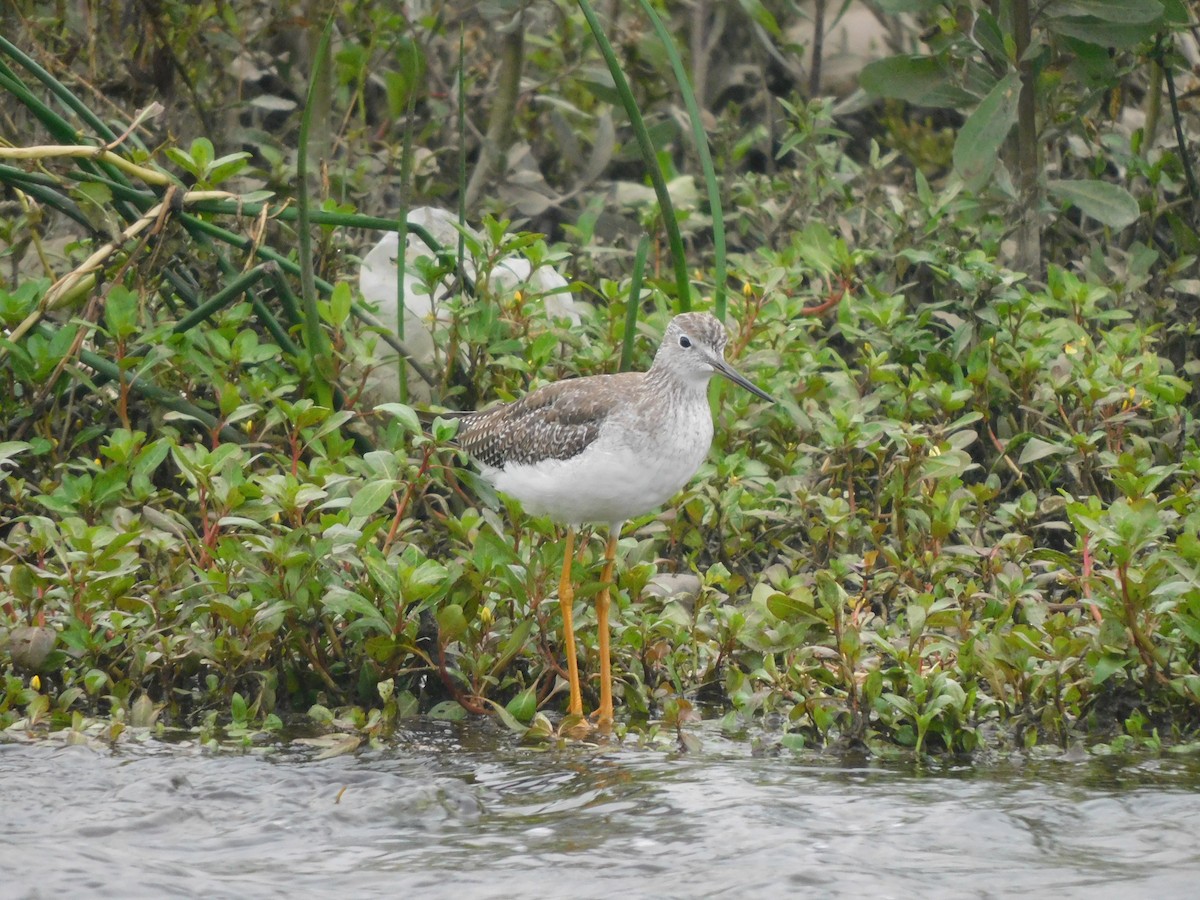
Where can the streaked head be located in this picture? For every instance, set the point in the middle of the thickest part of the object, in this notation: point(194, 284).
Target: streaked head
point(693, 350)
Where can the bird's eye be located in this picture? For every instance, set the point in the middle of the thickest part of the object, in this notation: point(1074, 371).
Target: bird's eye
point(685, 341)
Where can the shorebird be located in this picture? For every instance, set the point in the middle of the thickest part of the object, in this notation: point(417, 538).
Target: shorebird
point(602, 449)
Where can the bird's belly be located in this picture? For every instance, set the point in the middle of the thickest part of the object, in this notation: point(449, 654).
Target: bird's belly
point(608, 482)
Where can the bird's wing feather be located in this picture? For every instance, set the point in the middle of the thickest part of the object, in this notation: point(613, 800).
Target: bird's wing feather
point(557, 421)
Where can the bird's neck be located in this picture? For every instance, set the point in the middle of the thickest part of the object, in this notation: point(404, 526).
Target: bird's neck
point(663, 379)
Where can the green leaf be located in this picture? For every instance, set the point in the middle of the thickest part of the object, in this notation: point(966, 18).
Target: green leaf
point(121, 312)
point(406, 415)
point(1118, 35)
point(1175, 12)
point(95, 681)
point(451, 622)
point(901, 704)
point(151, 457)
point(229, 398)
point(227, 166)
point(182, 159)
point(334, 422)
point(989, 35)
point(408, 77)
point(339, 304)
point(371, 496)
point(1109, 204)
point(9, 449)
point(1106, 666)
point(760, 14)
point(1111, 11)
point(142, 712)
point(202, 153)
point(947, 464)
point(979, 140)
point(793, 741)
point(788, 608)
point(1037, 449)
point(448, 711)
point(523, 706)
point(917, 79)
point(237, 708)
point(509, 650)
point(444, 430)
point(482, 490)
point(907, 6)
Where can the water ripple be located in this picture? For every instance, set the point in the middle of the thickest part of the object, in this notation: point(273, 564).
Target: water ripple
point(464, 812)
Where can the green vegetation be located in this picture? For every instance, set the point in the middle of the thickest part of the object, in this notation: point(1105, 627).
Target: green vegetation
point(973, 520)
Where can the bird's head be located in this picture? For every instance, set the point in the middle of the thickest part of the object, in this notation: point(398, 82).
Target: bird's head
point(693, 350)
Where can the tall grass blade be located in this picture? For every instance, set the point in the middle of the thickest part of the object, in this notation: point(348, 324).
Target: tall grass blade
point(649, 157)
point(706, 163)
point(633, 304)
point(321, 365)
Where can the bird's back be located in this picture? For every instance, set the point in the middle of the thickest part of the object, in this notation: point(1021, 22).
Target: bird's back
point(557, 421)
point(588, 449)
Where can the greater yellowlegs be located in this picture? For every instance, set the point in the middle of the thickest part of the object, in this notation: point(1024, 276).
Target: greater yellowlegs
point(603, 449)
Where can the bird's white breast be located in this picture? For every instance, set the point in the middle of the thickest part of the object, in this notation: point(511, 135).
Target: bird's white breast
point(633, 467)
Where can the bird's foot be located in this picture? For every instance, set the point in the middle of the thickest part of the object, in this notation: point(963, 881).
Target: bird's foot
point(575, 727)
point(581, 728)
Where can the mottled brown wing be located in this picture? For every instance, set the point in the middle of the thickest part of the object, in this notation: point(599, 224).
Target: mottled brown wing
point(557, 421)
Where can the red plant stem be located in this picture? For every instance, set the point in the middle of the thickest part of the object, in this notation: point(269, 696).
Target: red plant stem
point(830, 302)
point(402, 507)
point(465, 701)
point(1087, 579)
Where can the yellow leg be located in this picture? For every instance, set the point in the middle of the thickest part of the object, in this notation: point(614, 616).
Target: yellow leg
point(602, 603)
point(566, 602)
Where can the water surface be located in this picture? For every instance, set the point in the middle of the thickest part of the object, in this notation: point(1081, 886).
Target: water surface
point(464, 811)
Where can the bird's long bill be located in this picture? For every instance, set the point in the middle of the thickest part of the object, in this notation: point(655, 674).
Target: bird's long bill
point(740, 380)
